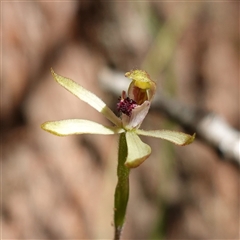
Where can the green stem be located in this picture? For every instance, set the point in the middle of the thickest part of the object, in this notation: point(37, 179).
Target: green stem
point(122, 188)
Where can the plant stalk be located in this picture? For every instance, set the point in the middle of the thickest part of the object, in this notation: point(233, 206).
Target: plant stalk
point(122, 188)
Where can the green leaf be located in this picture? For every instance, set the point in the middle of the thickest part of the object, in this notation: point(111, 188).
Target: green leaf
point(78, 126)
point(178, 138)
point(87, 97)
point(138, 151)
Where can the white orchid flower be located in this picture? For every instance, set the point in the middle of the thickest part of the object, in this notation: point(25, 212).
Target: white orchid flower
point(132, 109)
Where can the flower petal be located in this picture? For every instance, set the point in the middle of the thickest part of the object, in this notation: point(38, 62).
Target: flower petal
point(178, 138)
point(78, 126)
point(87, 97)
point(142, 88)
point(138, 151)
point(137, 116)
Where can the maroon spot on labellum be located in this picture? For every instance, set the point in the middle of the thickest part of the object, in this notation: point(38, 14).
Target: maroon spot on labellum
point(126, 105)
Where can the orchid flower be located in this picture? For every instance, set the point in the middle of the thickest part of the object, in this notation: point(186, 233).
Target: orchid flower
point(133, 107)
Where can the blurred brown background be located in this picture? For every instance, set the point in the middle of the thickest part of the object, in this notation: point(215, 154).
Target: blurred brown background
point(58, 188)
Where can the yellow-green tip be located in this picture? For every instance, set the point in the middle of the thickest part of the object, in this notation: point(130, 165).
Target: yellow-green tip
point(141, 79)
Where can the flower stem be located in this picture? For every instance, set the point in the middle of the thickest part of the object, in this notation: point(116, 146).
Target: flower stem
point(122, 188)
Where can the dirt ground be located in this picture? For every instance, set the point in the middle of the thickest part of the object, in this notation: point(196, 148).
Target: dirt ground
point(63, 187)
